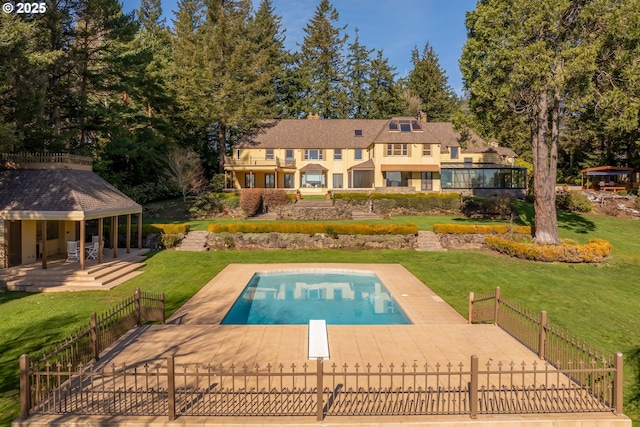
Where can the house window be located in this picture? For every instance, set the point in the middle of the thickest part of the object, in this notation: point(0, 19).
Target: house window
point(397, 150)
point(337, 180)
point(454, 152)
point(237, 154)
point(358, 132)
point(269, 180)
point(426, 150)
point(397, 179)
point(288, 180)
point(268, 154)
point(288, 156)
point(313, 179)
point(426, 180)
point(313, 154)
point(337, 154)
point(53, 230)
point(249, 180)
point(357, 154)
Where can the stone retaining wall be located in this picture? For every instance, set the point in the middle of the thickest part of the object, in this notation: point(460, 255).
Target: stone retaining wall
point(292, 211)
point(272, 241)
point(462, 241)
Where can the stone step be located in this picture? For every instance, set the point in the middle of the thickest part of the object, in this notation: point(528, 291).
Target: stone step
point(365, 215)
point(194, 241)
point(428, 241)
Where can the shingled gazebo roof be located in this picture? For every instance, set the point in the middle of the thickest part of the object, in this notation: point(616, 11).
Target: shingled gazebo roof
point(60, 194)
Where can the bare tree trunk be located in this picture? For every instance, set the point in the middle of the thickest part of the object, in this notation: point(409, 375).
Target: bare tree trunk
point(545, 160)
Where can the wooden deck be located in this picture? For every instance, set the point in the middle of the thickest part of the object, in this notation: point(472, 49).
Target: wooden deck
point(62, 276)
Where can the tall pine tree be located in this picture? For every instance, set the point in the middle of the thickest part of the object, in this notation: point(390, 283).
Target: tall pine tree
point(321, 67)
point(428, 81)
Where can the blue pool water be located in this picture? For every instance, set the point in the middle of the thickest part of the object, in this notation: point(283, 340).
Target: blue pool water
point(295, 298)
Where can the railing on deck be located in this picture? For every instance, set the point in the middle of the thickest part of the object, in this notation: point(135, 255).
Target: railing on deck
point(102, 331)
point(553, 345)
point(164, 389)
point(21, 158)
point(572, 377)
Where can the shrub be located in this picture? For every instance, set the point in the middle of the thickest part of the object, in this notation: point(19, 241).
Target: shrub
point(594, 251)
point(211, 203)
point(272, 198)
point(573, 201)
point(165, 229)
point(306, 228)
point(481, 229)
point(169, 240)
point(351, 196)
point(150, 191)
point(251, 200)
point(487, 207)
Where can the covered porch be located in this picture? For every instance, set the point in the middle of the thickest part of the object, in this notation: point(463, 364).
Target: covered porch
point(59, 208)
point(610, 178)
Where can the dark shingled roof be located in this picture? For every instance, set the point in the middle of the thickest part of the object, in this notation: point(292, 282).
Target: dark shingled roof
point(61, 190)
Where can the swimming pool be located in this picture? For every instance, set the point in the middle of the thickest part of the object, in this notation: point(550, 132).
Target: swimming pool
point(294, 298)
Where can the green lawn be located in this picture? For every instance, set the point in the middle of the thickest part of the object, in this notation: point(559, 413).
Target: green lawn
point(599, 303)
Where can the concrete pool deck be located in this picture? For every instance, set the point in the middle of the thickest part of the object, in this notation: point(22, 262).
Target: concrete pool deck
point(438, 334)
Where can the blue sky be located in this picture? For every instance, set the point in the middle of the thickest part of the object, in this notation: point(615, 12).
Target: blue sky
point(393, 26)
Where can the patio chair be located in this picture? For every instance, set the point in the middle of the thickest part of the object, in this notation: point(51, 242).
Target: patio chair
point(92, 251)
point(73, 251)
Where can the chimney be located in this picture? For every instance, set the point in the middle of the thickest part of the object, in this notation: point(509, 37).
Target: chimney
point(312, 116)
point(422, 117)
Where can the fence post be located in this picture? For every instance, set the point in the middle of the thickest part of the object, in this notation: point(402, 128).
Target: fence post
point(138, 308)
point(95, 348)
point(162, 306)
point(320, 389)
point(496, 306)
point(171, 387)
point(471, 296)
point(618, 381)
point(543, 336)
point(473, 388)
point(25, 389)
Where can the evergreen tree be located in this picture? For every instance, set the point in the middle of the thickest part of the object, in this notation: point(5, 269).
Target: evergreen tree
point(384, 94)
point(358, 79)
point(321, 67)
point(268, 42)
point(534, 58)
point(428, 81)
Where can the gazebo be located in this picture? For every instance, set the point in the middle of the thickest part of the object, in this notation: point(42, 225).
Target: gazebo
point(47, 200)
point(610, 178)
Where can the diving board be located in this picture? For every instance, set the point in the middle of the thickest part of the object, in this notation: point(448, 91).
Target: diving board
point(318, 339)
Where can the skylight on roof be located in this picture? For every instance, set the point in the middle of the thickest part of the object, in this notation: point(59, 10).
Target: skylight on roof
point(358, 132)
point(393, 125)
point(415, 126)
point(405, 127)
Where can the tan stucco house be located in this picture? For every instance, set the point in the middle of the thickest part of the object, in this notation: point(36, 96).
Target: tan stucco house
point(47, 200)
point(403, 153)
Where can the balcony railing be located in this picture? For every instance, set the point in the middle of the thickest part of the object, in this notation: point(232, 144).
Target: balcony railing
point(261, 161)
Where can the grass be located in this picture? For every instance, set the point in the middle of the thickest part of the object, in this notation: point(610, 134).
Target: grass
point(599, 303)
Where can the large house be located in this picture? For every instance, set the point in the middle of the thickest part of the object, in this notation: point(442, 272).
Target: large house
point(399, 154)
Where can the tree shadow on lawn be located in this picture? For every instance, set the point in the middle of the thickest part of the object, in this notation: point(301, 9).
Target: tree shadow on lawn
point(566, 220)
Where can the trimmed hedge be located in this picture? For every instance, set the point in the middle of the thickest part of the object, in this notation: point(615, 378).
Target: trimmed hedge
point(306, 228)
point(165, 229)
point(594, 251)
point(480, 229)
